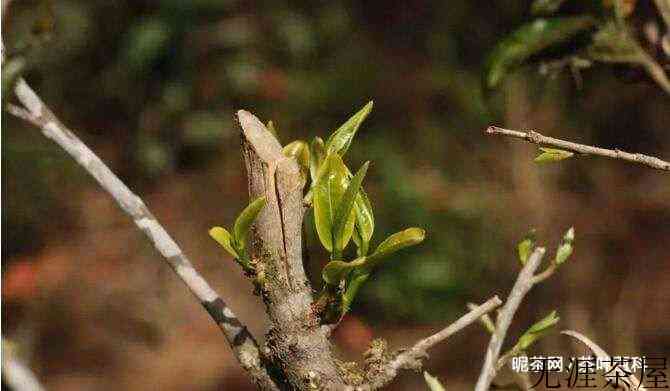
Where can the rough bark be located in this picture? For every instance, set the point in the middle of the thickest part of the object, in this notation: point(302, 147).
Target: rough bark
point(295, 342)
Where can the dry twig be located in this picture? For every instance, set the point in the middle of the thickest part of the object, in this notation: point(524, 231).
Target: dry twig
point(241, 341)
point(523, 284)
point(411, 358)
point(537, 138)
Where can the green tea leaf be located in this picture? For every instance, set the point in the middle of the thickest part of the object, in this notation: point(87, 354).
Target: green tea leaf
point(526, 246)
point(341, 139)
point(432, 382)
point(316, 157)
point(396, 242)
point(328, 191)
point(537, 331)
point(569, 236)
point(528, 40)
point(545, 7)
point(336, 271)
point(549, 155)
point(299, 150)
point(563, 253)
point(245, 219)
point(223, 237)
point(344, 214)
point(365, 222)
point(354, 284)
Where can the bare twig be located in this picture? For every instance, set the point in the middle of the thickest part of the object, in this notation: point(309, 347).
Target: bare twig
point(537, 138)
point(15, 373)
point(411, 358)
point(241, 341)
point(548, 272)
point(521, 287)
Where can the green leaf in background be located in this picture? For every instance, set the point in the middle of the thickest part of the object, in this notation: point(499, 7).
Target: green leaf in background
point(147, 40)
point(545, 7)
point(299, 150)
point(396, 242)
point(528, 40)
point(525, 247)
point(344, 213)
point(341, 139)
point(537, 331)
point(550, 155)
point(336, 271)
point(565, 249)
point(223, 237)
point(245, 219)
point(432, 382)
point(328, 192)
point(613, 43)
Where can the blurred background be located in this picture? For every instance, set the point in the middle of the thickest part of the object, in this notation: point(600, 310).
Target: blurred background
point(152, 87)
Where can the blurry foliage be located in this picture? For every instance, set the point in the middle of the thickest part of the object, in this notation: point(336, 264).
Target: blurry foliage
point(153, 86)
point(611, 39)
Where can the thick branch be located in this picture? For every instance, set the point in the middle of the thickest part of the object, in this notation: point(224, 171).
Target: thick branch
point(296, 342)
point(523, 284)
point(537, 138)
point(411, 358)
point(241, 341)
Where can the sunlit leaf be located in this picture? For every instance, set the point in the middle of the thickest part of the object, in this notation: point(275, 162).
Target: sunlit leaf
point(537, 331)
point(299, 150)
point(432, 382)
point(563, 253)
point(336, 271)
point(223, 237)
point(565, 249)
point(344, 214)
point(525, 247)
point(328, 192)
point(549, 155)
point(569, 235)
point(396, 242)
point(365, 221)
point(316, 157)
point(528, 40)
point(245, 219)
point(341, 139)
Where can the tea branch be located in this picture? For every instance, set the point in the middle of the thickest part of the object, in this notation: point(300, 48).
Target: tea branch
point(411, 358)
point(539, 139)
point(240, 340)
point(525, 281)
